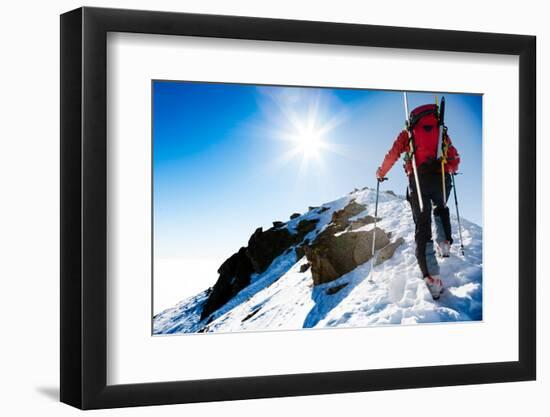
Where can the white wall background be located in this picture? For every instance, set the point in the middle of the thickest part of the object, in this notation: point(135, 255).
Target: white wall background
point(29, 209)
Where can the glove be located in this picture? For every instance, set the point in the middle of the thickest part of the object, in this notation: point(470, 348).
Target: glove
point(379, 175)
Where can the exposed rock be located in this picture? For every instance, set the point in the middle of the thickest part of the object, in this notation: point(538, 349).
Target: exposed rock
point(250, 315)
point(332, 256)
point(362, 251)
point(300, 251)
point(234, 276)
point(264, 247)
point(341, 218)
point(329, 257)
point(323, 209)
point(387, 251)
point(363, 221)
point(304, 227)
point(304, 267)
point(294, 215)
point(312, 208)
point(335, 289)
point(390, 192)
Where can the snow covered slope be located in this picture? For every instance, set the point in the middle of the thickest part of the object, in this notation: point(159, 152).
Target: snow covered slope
point(283, 297)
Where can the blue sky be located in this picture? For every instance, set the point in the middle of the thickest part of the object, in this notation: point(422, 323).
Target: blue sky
point(229, 157)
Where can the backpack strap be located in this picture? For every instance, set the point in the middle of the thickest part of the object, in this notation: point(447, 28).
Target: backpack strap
point(410, 153)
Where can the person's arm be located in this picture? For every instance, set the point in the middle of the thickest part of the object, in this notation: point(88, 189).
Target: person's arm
point(453, 158)
point(399, 146)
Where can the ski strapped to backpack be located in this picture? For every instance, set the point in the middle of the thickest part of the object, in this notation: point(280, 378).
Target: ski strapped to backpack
point(411, 153)
point(442, 145)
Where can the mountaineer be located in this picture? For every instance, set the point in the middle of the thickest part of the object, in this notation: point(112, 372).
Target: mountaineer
point(430, 161)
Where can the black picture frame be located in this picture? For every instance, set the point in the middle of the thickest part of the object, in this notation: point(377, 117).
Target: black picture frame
point(84, 207)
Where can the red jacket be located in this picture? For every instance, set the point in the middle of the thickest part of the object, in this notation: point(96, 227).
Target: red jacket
point(401, 144)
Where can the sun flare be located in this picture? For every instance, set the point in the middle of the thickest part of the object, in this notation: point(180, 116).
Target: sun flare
point(306, 123)
point(309, 142)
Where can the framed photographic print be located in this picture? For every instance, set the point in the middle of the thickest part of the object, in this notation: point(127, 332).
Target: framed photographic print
point(258, 207)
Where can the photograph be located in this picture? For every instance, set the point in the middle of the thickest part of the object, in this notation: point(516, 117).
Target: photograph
point(263, 208)
point(298, 207)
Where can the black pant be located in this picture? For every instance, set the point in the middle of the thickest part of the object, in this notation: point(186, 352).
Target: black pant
point(432, 193)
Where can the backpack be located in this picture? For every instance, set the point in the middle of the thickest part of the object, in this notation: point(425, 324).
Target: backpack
point(424, 126)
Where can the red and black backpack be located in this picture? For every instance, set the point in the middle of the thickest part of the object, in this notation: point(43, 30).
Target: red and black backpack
point(424, 126)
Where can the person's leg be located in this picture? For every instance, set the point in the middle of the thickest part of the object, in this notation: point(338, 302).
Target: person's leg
point(431, 261)
point(425, 254)
point(441, 212)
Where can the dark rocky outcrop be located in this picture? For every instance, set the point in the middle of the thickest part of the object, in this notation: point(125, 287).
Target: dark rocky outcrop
point(362, 221)
point(387, 251)
point(264, 247)
point(300, 251)
point(323, 209)
point(304, 227)
point(234, 276)
point(341, 217)
point(332, 256)
point(332, 253)
point(250, 315)
point(294, 215)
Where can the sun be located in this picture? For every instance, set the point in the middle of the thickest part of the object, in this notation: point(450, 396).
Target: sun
point(309, 142)
point(305, 122)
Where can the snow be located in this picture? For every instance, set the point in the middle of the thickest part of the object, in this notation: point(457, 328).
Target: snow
point(283, 298)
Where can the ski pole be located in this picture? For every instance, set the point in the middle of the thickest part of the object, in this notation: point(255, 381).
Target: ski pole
point(443, 187)
point(441, 146)
point(374, 230)
point(443, 162)
point(457, 213)
point(411, 146)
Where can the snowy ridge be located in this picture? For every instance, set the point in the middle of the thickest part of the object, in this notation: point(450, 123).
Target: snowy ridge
point(283, 298)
